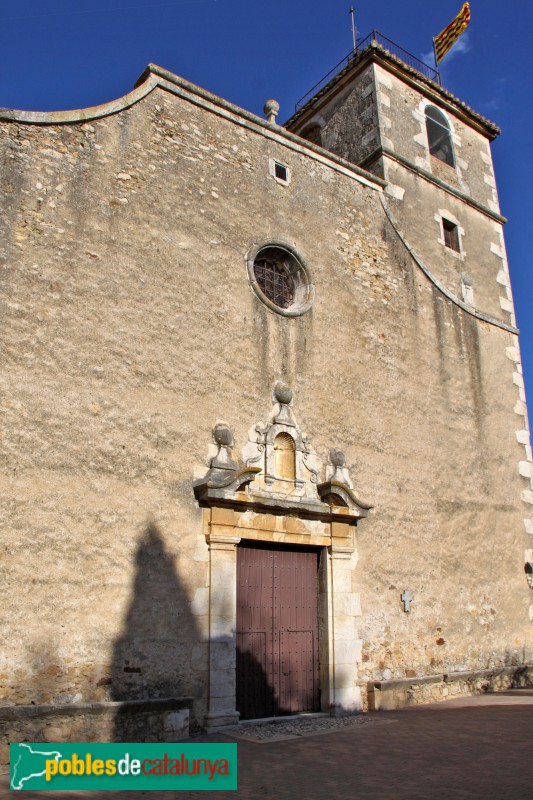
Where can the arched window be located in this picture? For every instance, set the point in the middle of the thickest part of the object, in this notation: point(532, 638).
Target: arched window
point(284, 457)
point(313, 133)
point(439, 138)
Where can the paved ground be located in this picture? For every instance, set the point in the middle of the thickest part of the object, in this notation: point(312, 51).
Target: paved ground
point(473, 749)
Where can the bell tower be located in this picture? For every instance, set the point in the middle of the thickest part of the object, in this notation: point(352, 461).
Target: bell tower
point(387, 113)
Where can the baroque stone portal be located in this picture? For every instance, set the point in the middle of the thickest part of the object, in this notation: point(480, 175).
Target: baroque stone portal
point(279, 491)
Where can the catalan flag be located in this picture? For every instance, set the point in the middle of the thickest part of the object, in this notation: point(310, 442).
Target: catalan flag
point(447, 38)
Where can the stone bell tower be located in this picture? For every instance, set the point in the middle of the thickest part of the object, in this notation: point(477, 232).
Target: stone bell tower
point(397, 121)
point(390, 115)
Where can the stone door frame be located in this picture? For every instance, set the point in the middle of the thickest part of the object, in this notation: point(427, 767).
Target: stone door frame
point(339, 645)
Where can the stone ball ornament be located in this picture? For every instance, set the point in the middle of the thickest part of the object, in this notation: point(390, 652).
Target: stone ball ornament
point(271, 109)
point(337, 457)
point(282, 393)
point(223, 435)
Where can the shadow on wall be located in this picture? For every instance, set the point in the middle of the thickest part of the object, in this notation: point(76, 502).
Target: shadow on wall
point(49, 681)
point(152, 659)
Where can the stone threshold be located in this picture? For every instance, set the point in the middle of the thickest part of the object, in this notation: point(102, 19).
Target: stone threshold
point(277, 729)
point(285, 718)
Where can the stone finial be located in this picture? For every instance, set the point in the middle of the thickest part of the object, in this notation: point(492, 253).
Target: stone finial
point(337, 489)
point(222, 434)
point(223, 437)
point(283, 395)
point(337, 459)
point(271, 109)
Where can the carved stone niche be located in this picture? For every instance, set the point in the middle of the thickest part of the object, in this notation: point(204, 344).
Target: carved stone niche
point(279, 472)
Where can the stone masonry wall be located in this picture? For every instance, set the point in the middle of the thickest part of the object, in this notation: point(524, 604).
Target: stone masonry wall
point(130, 328)
point(349, 121)
point(160, 721)
point(389, 695)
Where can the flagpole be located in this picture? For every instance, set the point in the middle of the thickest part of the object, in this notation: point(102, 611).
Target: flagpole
point(435, 55)
point(354, 29)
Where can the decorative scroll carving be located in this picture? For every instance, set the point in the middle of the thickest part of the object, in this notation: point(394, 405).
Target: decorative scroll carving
point(279, 471)
point(307, 462)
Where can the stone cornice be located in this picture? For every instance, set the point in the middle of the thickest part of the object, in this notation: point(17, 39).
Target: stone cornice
point(304, 508)
point(385, 152)
point(341, 491)
point(154, 76)
point(79, 114)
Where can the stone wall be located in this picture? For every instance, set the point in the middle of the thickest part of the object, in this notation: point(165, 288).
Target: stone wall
point(389, 695)
point(131, 329)
point(155, 721)
point(480, 240)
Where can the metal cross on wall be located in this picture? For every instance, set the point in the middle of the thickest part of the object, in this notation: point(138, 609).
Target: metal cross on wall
point(407, 599)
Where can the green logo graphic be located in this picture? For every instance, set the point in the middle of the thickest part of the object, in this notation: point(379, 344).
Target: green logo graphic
point(108, 767)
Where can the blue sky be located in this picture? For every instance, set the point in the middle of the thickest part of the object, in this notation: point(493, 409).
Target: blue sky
point(56, 54)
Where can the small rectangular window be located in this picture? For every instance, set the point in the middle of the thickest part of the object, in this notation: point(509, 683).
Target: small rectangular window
point(280, 171)
point(451, 235)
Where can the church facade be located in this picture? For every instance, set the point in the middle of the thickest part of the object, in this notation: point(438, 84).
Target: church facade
point(265, 443)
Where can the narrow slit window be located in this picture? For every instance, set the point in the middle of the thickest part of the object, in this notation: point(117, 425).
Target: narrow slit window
point(451, 235)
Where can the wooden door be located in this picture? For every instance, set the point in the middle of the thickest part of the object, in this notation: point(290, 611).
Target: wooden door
point(277, 630)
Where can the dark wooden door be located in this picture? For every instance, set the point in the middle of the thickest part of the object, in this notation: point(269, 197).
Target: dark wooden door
point(277, 631)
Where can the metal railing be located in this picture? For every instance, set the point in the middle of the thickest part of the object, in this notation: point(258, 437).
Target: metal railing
point(377, 38)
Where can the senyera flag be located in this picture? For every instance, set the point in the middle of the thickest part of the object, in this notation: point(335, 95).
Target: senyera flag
point(447, 38)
